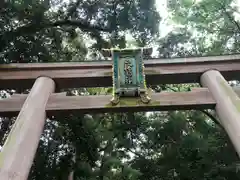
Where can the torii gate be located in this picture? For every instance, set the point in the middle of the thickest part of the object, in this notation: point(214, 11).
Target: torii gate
point(44, 79)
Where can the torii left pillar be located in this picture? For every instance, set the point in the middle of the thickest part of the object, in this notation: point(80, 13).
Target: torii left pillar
point(18, 152)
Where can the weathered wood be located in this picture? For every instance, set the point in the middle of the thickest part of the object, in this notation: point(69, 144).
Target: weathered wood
point(197, 99)
point(17, 154)
point(98, 74)
point(227, 104)
point(12, 105)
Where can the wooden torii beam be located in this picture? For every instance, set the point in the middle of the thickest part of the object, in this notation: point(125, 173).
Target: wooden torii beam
point(199, 98)
point(18, 151)
point(99, 74)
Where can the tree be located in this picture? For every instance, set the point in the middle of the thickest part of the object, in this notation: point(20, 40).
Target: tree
point(37, 31)
point(204, 28)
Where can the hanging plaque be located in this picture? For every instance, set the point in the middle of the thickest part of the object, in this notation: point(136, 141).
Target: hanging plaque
point(128, 74)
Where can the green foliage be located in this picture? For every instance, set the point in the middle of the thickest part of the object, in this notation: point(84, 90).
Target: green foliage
point(40, 31)
point(205, 28)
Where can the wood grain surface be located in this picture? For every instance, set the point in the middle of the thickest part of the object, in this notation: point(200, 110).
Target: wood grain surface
point(98, 74)
point(199, 98)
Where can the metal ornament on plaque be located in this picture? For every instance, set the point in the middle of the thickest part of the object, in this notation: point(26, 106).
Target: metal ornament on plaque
point(128, 74)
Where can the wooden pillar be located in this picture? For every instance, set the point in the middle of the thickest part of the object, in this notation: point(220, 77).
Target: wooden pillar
point(228, 104)
point(70, 176)
point(20, 147)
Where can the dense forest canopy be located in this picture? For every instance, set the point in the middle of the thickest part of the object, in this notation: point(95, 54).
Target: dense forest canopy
point(176, 145)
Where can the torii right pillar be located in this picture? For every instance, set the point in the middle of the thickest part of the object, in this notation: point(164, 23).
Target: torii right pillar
point(227, 104)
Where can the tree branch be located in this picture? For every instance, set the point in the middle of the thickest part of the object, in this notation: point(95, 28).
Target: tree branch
point(31, 28)
point(80, 24)
point(73, 9)
point(223, 8)
point(203, 111)
point(211, 117)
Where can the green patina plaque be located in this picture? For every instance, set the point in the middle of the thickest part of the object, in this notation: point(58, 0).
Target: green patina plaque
point(128, 74)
